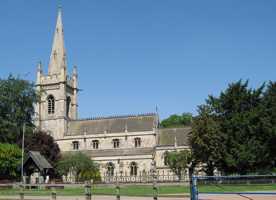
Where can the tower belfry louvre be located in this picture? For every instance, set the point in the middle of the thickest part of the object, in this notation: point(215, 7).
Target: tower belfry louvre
point(117, 143)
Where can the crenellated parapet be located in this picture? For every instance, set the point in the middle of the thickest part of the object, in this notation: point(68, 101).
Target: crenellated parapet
point(50, 79)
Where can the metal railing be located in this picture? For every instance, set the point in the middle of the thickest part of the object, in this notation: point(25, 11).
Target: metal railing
point(168, 177)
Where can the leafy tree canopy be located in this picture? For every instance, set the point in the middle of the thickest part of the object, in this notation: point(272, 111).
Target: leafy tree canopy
point(78, 164)
point(10, 157)
point(175, 121)
point(178, 161)
point(17, 97)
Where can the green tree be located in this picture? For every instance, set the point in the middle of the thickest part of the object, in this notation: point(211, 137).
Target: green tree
point(10, 157)
point(17, 97)
point(45, 144)
point(179, 161)
point(269, 118)
point(175, 121)
point(78, 164)
point(233, 131)
point(205, 139)
point(239, 109)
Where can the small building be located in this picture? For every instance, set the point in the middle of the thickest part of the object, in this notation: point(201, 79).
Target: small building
point(36, 168)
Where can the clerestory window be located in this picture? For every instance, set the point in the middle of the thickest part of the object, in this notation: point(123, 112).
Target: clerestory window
point(137, 142)
point(116, 143)
point(95, 144)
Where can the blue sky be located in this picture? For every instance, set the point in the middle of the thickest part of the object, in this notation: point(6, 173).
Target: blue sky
point(135, 54)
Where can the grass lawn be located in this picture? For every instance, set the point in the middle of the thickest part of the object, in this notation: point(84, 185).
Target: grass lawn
point(143, 190)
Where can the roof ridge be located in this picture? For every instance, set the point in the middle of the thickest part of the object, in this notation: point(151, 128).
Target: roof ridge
point(184, 127)
point(116, 116)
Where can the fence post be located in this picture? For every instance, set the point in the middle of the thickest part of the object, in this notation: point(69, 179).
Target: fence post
point(194, 192)
point(21, 193)
point(88, 190)
point(118, 196)
point(54, 194)
point(154, 180)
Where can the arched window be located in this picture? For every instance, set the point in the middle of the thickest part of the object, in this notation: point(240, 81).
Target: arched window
point(133, 169)
point(68, 103)
point(137, 142)
point(51, 104)
point(110, 169)
point(166, 158)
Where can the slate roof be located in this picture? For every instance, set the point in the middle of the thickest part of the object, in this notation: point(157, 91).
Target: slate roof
point(119, 152)
point(39, 160)
point(167, 136)
point(117, 124)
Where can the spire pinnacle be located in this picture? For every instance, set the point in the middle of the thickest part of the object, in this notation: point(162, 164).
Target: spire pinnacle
point(58, 54)
point(39, 66)
point(59, 5)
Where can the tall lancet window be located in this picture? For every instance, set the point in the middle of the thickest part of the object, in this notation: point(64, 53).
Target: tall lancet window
point(133, 169)
point(51, 104)
point(68, 104)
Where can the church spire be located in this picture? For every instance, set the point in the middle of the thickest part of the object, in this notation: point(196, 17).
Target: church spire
point(58, 54)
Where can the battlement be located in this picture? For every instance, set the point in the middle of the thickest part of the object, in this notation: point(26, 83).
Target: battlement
point(56, 78)
point(50, 79)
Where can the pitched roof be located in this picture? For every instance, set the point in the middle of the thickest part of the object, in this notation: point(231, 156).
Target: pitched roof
point(168, 136)
point(39, 160)
point(118, 124)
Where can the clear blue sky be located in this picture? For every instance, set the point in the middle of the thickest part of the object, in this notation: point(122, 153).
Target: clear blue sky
point(135, 54)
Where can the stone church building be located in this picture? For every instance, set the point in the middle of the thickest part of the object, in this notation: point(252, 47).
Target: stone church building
point(121, 144)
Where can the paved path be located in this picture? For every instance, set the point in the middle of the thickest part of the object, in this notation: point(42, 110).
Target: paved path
point(237, 197)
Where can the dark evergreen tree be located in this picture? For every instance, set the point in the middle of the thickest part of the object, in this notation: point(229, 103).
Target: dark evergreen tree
point(234, 132)
point(45, 144)
point(205, 139)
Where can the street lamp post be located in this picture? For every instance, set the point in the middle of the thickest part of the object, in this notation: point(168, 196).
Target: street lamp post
point(22, 154)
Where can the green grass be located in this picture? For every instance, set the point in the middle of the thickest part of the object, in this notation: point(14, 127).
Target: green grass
point(142, 190)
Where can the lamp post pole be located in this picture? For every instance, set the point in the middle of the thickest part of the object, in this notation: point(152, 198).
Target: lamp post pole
point(22, 154)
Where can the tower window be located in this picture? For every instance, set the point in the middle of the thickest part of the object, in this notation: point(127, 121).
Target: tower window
point(68, 103)
point(75, 145)
point(137, 142)
point(95, 144)
point(116, 143)
point(133, 169)
point(51, 104)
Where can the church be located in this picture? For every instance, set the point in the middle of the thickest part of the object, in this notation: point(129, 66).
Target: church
point(121, 145)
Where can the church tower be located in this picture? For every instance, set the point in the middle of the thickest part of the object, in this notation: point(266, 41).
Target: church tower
point(58, 91)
